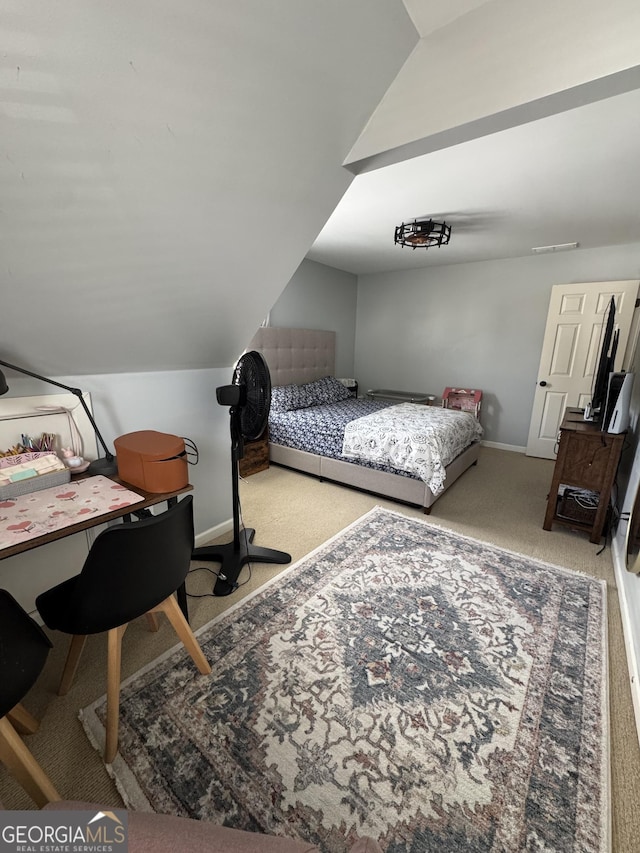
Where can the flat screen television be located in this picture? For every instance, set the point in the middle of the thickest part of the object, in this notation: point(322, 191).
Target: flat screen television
point(605, 364)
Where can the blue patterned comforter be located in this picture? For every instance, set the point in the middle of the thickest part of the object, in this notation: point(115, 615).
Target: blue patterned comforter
point(319, 429)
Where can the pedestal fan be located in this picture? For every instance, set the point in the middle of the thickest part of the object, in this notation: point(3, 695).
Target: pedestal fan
point(249, 398)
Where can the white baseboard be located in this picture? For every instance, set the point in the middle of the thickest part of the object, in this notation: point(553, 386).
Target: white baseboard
point(213, 532)
point(625, 582)
point(514, 448)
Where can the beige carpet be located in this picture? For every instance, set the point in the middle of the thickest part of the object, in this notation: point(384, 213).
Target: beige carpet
point(501, 500)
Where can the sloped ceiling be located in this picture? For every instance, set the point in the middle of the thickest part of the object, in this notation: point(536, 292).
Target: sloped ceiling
point(431, 15)
point(166, 165)
point(571, 177)
point(517, 125)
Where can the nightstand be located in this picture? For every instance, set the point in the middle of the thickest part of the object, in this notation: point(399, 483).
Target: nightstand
point(587, 459)
point(256, 456)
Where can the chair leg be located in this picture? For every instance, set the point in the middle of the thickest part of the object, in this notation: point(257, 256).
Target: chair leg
point(71, 665)
point(24, 767)
point(174, 614)
point(22, 721)
point(114, 658)
point(153, 623)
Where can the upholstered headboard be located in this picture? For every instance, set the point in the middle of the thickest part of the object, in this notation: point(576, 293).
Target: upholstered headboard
point(295, 356)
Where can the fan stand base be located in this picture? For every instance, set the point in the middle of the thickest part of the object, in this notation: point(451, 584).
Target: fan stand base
point(233, 557)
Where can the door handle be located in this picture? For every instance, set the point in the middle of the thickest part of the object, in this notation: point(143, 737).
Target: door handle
point(543, 383)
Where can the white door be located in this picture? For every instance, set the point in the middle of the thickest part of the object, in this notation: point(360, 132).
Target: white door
point(570, 351)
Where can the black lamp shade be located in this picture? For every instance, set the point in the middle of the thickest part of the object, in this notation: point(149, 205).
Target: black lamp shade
point(3, 384)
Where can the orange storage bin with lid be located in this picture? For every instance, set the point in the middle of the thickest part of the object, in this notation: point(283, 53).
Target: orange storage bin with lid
point(153, 461)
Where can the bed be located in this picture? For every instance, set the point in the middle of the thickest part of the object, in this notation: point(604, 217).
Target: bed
point(310, 435)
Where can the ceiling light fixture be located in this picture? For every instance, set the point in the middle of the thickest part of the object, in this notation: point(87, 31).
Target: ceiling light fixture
point(422, 234)
point(560, 247)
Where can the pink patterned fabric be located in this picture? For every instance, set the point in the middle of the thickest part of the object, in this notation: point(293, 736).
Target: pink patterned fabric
point(38, 513)
point(19, 458)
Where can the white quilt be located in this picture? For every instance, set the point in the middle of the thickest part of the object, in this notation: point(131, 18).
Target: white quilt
point(421, 440)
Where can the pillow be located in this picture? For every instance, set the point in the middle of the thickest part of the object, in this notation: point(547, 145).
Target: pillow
point(288, 398)
point(330, 390)
point(284, 398)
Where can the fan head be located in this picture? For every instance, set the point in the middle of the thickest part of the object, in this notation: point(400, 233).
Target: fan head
point(252, 377)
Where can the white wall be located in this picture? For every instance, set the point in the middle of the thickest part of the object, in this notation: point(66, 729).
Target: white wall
point(477, 324)
point(320, 297)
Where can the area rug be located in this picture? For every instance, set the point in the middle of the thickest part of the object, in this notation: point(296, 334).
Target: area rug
point(401, 682)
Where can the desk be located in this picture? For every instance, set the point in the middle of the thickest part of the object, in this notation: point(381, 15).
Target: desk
point(148, 499)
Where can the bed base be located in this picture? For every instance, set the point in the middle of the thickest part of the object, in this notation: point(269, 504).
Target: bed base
point(394, 486)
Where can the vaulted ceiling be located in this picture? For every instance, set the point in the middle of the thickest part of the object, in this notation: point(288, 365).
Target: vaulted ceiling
point(165, 166)
point(519, 128)
point(566, 178)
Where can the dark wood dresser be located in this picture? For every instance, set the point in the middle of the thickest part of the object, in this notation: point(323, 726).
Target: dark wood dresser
point(587, 459)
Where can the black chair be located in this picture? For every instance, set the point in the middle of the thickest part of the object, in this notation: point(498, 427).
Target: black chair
point(23, 651)
point(132, 569)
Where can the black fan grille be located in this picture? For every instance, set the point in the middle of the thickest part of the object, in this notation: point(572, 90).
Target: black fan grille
point(252, 372)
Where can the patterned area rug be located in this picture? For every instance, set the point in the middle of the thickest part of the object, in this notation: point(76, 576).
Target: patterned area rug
point(401, 682)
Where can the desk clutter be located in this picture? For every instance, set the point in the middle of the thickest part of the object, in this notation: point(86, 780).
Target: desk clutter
point(33, 464)
point(44, 444)
point(36, 513)
point(154, 461)
point(28, 472)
